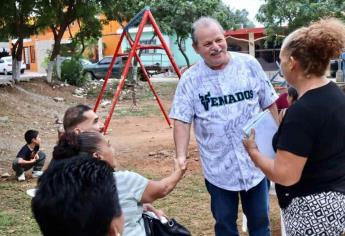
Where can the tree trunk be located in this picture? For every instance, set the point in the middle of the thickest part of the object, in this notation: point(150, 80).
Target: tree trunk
point(16, 69)
point(58, 66)
point(56, 50)
point(56, 47)
point(100, 49)
point(179, 44)
point(135, 82)
point(50, 71)
point(52, 62)
point(17, 50)
point(134, 97)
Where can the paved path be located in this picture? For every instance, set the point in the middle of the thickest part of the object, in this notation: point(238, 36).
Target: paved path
point(7, 79)
point(157, 79)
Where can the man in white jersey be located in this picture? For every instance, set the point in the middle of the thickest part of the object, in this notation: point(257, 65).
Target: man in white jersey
point(219, 95)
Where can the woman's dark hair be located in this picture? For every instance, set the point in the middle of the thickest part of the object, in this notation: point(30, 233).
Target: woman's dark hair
point(292, 92)
point(76, 197)
point(71, 144)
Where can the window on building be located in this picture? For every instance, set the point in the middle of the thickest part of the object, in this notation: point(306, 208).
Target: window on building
point(148, 42)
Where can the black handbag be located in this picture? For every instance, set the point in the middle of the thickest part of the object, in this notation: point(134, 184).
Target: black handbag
point(154, 227)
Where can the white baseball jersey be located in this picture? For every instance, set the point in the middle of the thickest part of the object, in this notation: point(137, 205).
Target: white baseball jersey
point(219, 103)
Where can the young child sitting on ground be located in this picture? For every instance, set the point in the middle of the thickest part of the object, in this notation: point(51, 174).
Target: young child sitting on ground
point(29, 156)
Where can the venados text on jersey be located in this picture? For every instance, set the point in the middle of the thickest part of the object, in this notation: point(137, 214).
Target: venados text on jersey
point(207, 100)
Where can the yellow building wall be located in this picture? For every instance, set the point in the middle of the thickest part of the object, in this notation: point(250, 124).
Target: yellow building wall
point(110, 39)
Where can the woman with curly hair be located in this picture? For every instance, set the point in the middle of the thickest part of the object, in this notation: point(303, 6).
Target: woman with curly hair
point(309, 167)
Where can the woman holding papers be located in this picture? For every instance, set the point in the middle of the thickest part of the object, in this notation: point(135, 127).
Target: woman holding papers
point(309, 166)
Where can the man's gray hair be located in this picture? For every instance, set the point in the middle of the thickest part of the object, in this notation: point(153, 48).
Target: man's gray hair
point(203, 21)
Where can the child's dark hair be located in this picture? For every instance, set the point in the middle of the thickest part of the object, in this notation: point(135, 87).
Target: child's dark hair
point(292, 92)
point(29, 135)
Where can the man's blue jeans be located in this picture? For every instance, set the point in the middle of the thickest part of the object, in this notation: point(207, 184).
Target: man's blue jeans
point(255, 205)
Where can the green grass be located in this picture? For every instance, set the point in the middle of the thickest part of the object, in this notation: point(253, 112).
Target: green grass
point(15, 215)
point(6, 220)
point(147, 106)
point(189, 203)
point(141, 110)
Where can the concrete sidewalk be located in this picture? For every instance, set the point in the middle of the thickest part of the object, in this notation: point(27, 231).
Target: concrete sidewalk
point(156, 79)
point(33, 74)
point(26, 76)
point(29, 75)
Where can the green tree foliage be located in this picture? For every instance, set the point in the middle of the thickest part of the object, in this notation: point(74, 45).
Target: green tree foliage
point(62, 13)
point(176, 17)
point(232, 19)
point(124, 11)
point(18, 21)
point(281, 18)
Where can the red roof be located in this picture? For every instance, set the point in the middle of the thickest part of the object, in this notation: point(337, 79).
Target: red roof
point(243, 33)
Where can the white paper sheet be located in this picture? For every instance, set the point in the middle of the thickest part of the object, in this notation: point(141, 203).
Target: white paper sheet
point(265, 127)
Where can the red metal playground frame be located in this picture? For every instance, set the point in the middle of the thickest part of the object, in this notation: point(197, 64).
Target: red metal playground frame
point(144, 15)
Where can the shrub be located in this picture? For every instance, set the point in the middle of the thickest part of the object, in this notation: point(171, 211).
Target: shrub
point(72, 72)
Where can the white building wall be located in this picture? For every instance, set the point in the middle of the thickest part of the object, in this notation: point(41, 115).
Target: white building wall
point(43, 49)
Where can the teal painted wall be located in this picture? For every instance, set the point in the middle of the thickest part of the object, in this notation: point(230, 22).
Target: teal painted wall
point(192, 55)
point(159, 56)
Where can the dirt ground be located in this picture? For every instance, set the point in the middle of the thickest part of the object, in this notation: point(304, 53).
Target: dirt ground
point(30, 105)
point(143, 143)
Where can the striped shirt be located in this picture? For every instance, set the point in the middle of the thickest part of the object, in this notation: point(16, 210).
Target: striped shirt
point(130, 187)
